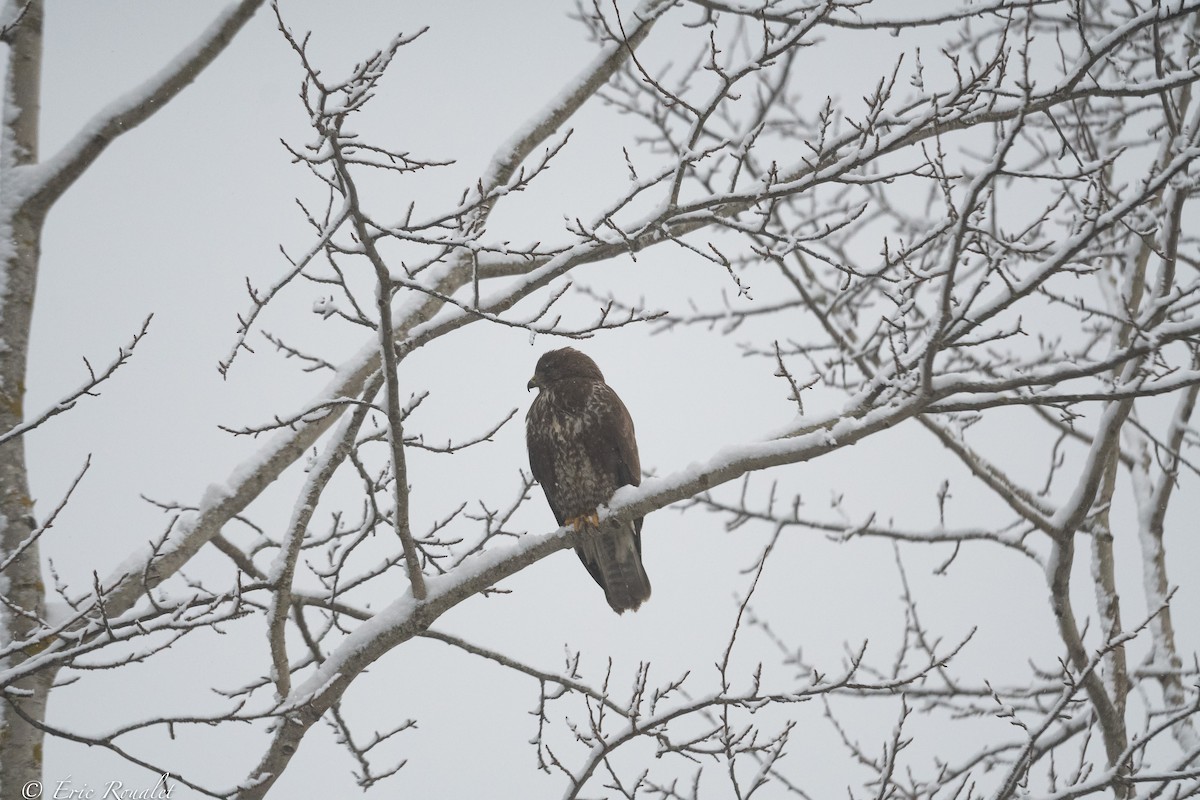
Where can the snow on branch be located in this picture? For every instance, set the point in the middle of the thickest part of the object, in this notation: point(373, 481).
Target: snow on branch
point(88, 389)
point(408, 616)
point(46, 181)
point(134, 578)
point(999, 238)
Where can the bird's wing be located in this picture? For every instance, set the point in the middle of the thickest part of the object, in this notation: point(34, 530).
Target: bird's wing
point(618, 450)
point(615, 430)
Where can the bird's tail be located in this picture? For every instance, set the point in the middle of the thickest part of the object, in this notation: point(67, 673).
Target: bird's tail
point(619, 567)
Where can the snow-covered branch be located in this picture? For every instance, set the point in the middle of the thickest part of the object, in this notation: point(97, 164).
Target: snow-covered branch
point(46, 181)
point(975, 266)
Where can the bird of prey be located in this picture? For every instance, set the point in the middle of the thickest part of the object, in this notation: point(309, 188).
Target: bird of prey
point(581, 450)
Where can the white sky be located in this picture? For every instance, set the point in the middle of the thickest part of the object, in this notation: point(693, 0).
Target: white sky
point(174, 217)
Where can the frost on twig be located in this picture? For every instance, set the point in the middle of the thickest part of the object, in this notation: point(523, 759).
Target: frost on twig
point(88, 389)
point(989, 244)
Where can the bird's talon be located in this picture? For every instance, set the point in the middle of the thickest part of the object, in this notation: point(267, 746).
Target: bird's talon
point(591, 520)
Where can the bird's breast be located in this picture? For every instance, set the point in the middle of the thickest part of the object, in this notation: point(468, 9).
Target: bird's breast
point(581, 483)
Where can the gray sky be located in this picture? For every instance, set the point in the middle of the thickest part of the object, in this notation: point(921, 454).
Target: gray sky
point(176, 215)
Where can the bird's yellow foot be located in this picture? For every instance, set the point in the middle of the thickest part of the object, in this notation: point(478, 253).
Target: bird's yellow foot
point(591, 520)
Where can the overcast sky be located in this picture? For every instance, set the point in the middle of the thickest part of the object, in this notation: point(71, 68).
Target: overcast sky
point(174, 218)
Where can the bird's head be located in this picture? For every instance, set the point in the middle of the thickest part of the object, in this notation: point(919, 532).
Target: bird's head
point(557, 365)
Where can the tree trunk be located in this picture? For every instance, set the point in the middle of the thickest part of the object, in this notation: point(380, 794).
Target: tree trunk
point(21, 586)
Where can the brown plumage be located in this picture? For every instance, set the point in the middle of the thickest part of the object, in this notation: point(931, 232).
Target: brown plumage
point(581, 450)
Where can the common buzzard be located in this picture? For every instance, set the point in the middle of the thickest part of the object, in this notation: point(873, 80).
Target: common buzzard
point(581, 450)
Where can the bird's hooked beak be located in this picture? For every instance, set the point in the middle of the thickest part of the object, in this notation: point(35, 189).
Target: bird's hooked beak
point(532, 383)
